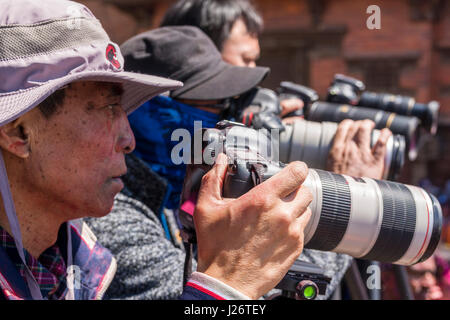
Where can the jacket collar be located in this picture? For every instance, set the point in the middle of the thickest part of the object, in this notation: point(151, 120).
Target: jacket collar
point(93, 268)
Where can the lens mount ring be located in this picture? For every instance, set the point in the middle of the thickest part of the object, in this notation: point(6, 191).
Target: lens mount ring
point(306, 290)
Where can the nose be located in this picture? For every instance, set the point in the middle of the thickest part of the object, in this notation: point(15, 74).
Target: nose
point(126, 142)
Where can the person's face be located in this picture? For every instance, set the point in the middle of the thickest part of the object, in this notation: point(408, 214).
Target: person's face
point(77, 155)
point(423, 281)
point(241, 48)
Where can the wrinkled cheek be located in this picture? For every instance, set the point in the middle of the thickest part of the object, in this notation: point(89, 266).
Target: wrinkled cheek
point(101, 145)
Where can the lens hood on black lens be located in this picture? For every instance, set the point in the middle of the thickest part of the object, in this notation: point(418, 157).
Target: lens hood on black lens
point(398, 156)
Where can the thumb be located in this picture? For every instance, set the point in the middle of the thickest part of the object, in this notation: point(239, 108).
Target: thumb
point(212, 182)
point(379, 149)
point(290, 105)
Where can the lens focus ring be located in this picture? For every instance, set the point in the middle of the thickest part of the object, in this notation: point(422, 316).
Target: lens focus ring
point(398, 224)
point(335, 214)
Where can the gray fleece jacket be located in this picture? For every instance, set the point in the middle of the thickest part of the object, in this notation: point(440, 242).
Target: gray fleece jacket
point(149, 266)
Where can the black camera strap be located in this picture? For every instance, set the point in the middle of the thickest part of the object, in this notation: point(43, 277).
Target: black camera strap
point(187, 271)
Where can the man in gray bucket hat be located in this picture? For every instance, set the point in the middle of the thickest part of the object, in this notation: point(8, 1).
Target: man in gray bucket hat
point(63, 161)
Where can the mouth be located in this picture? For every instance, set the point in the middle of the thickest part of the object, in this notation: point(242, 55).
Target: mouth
point(118, 180)
point(121, 174)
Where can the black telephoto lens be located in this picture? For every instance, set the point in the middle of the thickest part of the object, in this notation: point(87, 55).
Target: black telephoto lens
point(403, 105)
point(365, 218)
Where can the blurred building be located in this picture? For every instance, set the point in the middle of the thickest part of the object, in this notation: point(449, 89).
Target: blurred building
point(308, 41)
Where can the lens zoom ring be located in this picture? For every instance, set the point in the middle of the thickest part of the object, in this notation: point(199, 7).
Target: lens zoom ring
point(398, 224)
point(335, 215)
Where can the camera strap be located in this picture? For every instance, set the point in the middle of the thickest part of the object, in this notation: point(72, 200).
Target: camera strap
point(10, 211)
point(187, 271)
point(257, 171)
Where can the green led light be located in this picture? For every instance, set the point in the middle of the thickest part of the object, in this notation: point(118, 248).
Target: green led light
point(309, 292)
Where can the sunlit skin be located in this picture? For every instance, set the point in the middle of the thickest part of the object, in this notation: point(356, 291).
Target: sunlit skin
point(69, 165)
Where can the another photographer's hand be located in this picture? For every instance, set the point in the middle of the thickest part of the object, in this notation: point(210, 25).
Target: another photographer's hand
point(351, 152)
point(250, 243)
point(288, 106)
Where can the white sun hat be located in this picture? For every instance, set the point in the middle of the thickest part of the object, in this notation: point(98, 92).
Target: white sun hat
point(47, 44)
point(44, 45)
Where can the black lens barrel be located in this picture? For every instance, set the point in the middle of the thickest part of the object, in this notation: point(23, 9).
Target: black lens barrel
point(387, 102)
point(398, 156)
point(437, 229)
point(402, 105)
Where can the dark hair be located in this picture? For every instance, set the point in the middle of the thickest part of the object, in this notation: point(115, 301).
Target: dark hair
point(214, 17)
point(49, 106)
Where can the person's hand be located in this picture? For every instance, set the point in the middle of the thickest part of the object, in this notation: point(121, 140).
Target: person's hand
point(351, 152)
point(250, 243)
point(290, 105)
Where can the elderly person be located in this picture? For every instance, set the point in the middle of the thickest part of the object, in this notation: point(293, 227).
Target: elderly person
point(64, 134)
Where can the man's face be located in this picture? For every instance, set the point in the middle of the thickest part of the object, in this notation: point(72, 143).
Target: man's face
point(422, 277)
point(77, 154)
point(241, 48)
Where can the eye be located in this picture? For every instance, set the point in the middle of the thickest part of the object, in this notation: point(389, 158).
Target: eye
point(115, 108)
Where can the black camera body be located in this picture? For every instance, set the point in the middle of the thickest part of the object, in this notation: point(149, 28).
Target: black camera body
point(289, 90)
point(303, 281)
point(246, 169)
point(260, 108)
point(356, 216)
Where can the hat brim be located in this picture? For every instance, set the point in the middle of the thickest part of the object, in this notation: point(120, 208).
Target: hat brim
point(229, 81)
point(138, 88)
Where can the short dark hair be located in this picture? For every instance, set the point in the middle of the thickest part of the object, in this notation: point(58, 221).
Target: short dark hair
point(214, 17)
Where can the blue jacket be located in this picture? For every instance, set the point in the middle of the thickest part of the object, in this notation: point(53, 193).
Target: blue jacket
point(153, 124)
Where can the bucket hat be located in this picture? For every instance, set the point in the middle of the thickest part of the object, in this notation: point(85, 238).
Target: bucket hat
point(45, 45)
point(49, 43)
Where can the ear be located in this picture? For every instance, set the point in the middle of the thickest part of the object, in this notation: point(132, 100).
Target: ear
point(14, 139)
